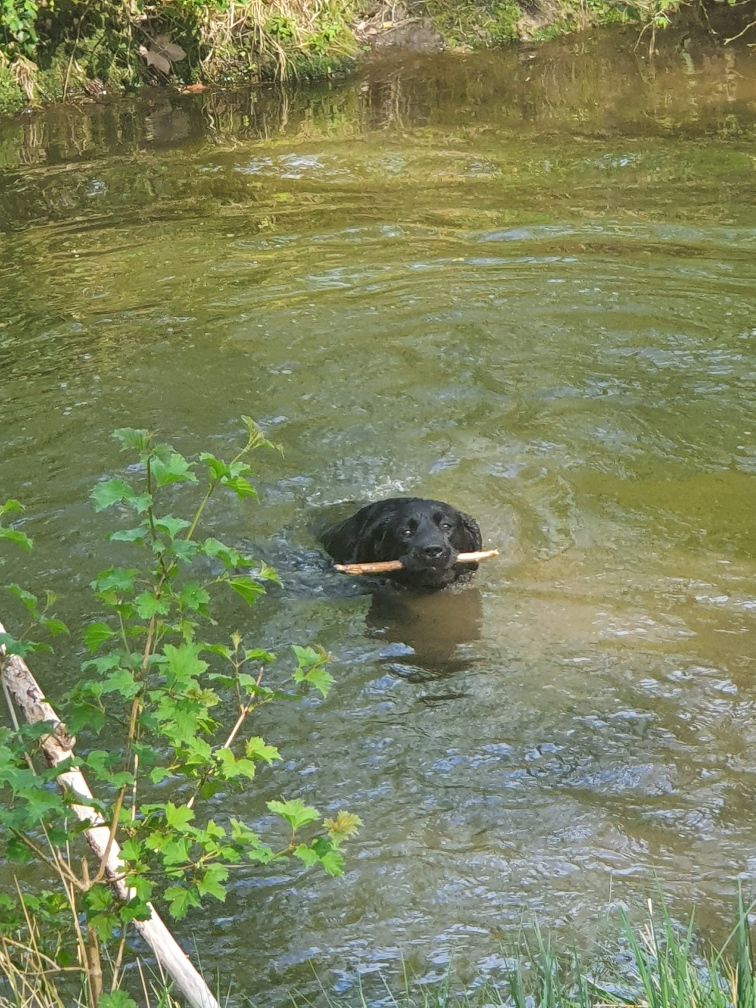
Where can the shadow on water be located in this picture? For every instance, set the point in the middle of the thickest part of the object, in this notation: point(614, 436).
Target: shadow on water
point(427, 637)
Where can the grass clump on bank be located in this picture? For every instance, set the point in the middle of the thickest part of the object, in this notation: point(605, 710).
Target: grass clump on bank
point(660, 965)
point(52, 49)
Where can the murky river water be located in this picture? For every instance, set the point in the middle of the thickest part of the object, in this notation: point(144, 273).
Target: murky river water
point(522, 282)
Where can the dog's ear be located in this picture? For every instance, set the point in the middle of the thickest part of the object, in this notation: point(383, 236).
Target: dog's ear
point(379, 542)
point(470, 533)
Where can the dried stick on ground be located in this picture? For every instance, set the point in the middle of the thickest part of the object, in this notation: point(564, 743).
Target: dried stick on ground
point(388, 566)
point(24, 690)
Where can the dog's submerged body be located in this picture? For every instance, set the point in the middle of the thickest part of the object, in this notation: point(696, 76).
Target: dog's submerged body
point(426, 535)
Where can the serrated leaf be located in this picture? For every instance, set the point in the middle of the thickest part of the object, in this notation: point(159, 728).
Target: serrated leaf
point(171, 525)
point(170, 467)
point(228, 556)
point(96, 634)
point(295, 812)
point(239, 486)
point(182, 663)
point(258, 749)
point(180, 901)
point(109, 492)
point(118, 579)
point(121, 681)
point(259, 655)
point(193, 596)
point(222, 651)
point(216, 467)
point(246, 588)
point(267, 573)
point(211, 883)
point(132, 439)
point(311, 668)
point(148, 606)
point(185, 550)
point(178, 817)
point(343, 826)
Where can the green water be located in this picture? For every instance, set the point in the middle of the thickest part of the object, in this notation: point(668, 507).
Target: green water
point(522, 282)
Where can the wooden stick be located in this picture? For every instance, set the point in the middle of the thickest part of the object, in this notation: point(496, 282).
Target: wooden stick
point(57, 747)
point(387, 566)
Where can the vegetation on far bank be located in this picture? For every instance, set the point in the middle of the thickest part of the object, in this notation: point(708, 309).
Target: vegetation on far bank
point(52, 50)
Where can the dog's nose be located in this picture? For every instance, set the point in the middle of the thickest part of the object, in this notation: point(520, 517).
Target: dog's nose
point(433, 552)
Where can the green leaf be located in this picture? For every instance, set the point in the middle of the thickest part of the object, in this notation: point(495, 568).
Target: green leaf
point(116, 579)
point(169, 467)
point(266, 573)
point(321, 851)
point(295, 812)
point(229, 557)
point(171, 526)
point(240, 486)
point(109, 492)
point(254, 849)
point(259, 655)
point(27, 600)
point(193, 597)
point(54, 627)
point(210, 884)
point(258, 749)
point(95, 636)
point(121, 681)
point(11, 506)
point(178, 817)
point(248, 589)
point(230, 767)
point(180, 901)
point(18, 538)
point(182, 663)
point(311, 669)
point(132, 535)
point(132, 439)
point(148, 606)
point(116, 999)
point(216, 467)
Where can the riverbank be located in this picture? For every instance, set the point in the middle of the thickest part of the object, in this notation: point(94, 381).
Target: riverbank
point(52, 52)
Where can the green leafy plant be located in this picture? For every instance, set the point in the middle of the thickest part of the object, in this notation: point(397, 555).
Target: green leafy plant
point(162, 701)
point(18, 32)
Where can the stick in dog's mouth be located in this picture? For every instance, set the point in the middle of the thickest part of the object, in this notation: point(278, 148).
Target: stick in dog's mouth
point(389, 566)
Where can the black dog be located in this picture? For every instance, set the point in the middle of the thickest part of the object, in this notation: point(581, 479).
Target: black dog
point(426, 535)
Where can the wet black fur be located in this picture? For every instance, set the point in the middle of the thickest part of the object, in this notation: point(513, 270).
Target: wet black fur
point(426, 535)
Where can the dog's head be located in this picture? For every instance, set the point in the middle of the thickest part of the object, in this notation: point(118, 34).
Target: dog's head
point(426, 535)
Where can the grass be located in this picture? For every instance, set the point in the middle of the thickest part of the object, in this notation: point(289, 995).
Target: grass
point(663, 965)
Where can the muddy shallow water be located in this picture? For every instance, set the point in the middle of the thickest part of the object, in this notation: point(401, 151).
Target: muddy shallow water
point(522, 282)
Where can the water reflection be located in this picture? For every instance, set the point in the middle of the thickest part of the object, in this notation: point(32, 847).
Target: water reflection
point(434, 631)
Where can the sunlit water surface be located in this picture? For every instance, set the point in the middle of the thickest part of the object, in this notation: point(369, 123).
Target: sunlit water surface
point(521, 282)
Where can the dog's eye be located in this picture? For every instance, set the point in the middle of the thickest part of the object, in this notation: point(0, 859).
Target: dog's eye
point(446, 526)
point(406, 532)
